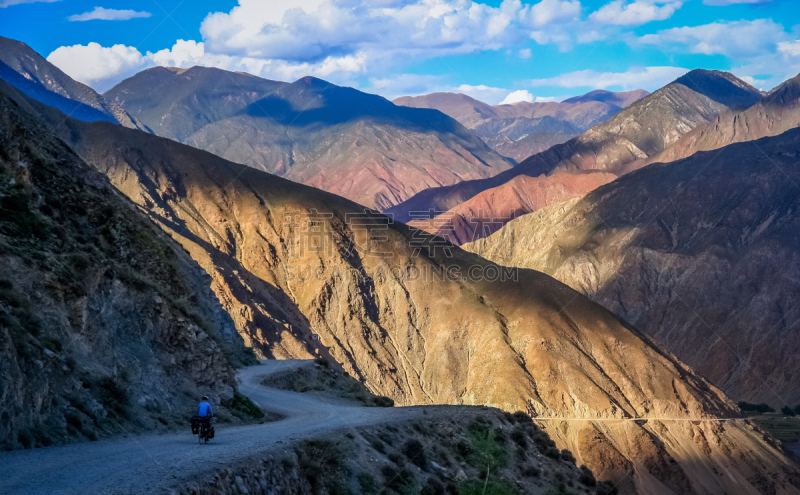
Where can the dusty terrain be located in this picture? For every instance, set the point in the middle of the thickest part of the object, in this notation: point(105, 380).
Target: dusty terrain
point(427, 323)
point(700, 253)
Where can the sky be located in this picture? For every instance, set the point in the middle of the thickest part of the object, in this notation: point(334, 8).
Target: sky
point(496, 51)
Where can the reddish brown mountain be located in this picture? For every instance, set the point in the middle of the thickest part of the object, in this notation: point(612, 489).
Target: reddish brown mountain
point(338, 139)
point(488, 211)
point(644, 129)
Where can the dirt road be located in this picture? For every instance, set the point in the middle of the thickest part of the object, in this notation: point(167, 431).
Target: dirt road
point(148, 464)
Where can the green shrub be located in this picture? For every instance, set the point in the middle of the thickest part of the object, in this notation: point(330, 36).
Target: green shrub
point(400, 480)
point(487, 449)
point(415, 452)
point(113, 396)
point(531, 471)
point(567, 456)
point(606, 488)
point(378, 445)
point(787, 411)
point(519, 437)
point(366, 482)
point(320, 460)
point(381, 401)
point(759, 408)
point(244, 408)
point(433, 487)
point(587, 477)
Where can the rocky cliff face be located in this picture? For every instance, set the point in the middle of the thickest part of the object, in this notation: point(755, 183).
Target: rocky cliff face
point(32, 74)
point(701, 254)
point(424, 322)
point(645, 128)
point(106, 325)
point(341, 140)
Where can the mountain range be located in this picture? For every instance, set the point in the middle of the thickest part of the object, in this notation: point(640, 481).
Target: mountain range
point(699, 253)
point(522, 129)
point(289, 262)
point(338, 139)
point(302, 272)
point(617, 146)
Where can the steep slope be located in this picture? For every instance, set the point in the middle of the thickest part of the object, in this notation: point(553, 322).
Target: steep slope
point(488, 211)
point(29, 72)
point(354, 144)
point(424, 322)
point(517, 131)
point(776, 113)
point(106, 325)
point(701, 254)
point(645, 128)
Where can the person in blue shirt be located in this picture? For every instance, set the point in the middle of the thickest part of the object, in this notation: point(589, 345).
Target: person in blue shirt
point(205, 408)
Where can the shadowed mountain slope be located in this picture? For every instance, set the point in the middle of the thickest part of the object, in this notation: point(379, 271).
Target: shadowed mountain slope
point(645, 128)
point(778, 112)
point(702, 254)
point(106, 324)
point(424, 322)
point(522, 129)
point(354, 144)
point(32, 74)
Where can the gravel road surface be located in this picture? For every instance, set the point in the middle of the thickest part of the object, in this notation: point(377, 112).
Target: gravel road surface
point(154, 463)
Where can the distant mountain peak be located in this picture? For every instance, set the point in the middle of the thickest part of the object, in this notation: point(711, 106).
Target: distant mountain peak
point(722, 87)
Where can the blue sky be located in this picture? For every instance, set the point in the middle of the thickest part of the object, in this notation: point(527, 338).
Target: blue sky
point(507, 50)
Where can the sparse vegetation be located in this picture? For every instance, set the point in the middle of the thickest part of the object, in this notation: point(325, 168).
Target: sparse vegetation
point(244, 408)
point(755, 408)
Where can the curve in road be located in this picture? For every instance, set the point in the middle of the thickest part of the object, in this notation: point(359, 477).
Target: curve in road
point(154, 463)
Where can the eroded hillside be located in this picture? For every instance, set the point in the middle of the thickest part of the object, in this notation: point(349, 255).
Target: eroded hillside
point(700, 253)
point(106, 325)
point(424, 322)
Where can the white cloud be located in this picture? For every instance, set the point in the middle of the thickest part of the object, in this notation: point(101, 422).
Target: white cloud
point(315, 29)
point(736, 39)
point(525, 53)
point(99, 13)
point(321, 37)
point(518, 96)
point(103, 67)
point(790, 47)
point(732, 2)
point(783, 64)
point(555, 11)
point(621, 12)
point(97, 66)
point(635, 78)
point(9, 3)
